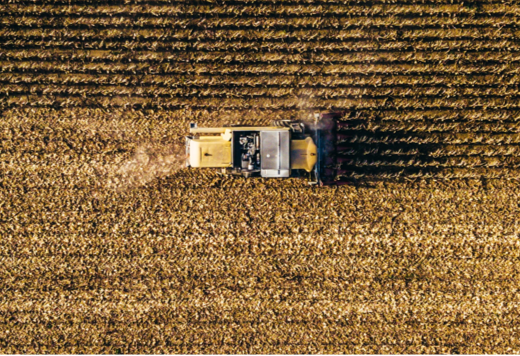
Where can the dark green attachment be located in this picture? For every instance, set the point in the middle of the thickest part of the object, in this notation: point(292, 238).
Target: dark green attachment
point(329, 169)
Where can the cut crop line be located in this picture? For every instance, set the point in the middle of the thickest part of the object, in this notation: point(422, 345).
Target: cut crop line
point(130, 69)
point(356, 253)
point(241, 105)
point(75, 92)
point(313, 35)
point(371, 155)
point(165, 39)
point(226, 59)
point(215, 347)
point(252, 12)
point(36, 22)
point(91, 82)
point(281, 46)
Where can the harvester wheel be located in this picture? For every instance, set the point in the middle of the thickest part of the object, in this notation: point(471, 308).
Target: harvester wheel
point(283, 123)
point(296, 126)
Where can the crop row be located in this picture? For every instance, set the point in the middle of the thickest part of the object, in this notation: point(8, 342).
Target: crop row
point(238, 92)
point(430, 126)
point(499, 82)
point(434, 162)
point(423, 173)
point(440, 116)
point(152, 58)
point(455, 45)
point(423, 138)
point(340, 22)
point(442, 150)
point(263, 34)
point(263, 10)
point(265, 103)
point(283, 59)
point(125, 34)
point(434, 69)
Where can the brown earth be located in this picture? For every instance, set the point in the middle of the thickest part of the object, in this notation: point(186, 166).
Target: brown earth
point(109, 246)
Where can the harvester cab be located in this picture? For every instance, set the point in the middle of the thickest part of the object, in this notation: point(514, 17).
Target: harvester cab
point(300, 148)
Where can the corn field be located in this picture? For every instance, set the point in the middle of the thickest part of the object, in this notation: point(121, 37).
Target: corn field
point(109, 245)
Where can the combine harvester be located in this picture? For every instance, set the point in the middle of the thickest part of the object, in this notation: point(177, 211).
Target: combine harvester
point(302, 148)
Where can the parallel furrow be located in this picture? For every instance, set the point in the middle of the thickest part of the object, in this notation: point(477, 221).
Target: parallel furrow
point(153, 58)
point(440, 150)
point(458, 126)
point(390, 22)
point(285, 9)
point(434, 45)
point(238, 92)
point(282, 10)
point(392, 173)
point(503, 82)
point(200, 35)
point(434, 162)
point(434, 115)
point(263, 103)
point(262, 69)
point(445, 138)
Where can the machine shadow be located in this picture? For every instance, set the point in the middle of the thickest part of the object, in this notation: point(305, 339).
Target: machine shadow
point(369, 150)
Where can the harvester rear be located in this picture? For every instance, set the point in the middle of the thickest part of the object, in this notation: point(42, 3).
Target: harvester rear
point(308, 149)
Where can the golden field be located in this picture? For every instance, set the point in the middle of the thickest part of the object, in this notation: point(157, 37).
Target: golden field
point(108, 245)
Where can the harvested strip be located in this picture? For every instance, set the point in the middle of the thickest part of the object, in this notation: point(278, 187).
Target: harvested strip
point(258, 10)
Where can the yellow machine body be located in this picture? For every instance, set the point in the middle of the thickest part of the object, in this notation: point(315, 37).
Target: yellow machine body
point(215, 151)
point(304, 154)
point(210, 151)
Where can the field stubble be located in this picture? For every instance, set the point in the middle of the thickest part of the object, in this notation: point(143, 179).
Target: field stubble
point(109, 247)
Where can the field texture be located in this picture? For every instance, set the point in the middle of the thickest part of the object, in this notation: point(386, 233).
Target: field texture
point(108, 245)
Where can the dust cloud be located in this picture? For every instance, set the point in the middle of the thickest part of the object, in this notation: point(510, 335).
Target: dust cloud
point(150, 161)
